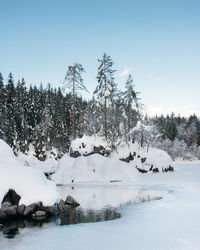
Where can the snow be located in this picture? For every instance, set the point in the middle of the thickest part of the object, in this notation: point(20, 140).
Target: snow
point(86, 144)
point(93, 168)
point(100, 196)
point(30, 183)
point(47, 166)
point(156, 157)
point(168, 224)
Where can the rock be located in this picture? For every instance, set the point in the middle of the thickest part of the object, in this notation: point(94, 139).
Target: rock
point(61, 205)
point(6, 204)
point(51, 210)
point(143, 159)
point(20, 209)
point(74, 154)
point(143, 171)
point(12, 197)
point(39, 214)
point(2, 215)
point(155, 170)
point(30, 209)
point(151, 168)
point(1, 226)
point(71, 201)
point(128, 159)
point(10, 211)
point(48, 210)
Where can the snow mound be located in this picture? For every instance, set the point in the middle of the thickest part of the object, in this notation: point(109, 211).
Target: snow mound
point(86, 144)
point(30, 183)
point(47, 166)
point(143, 157)
point(93, 168)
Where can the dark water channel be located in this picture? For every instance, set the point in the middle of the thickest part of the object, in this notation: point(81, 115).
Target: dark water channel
point(67, 217)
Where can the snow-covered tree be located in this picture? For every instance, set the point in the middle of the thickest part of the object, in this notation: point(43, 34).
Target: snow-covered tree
point(131, 106)
point(106, 88)
point(74, 82)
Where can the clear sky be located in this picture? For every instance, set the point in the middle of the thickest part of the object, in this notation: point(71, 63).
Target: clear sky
point(157, 41)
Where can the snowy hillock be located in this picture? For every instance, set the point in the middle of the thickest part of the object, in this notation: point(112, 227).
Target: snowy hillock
point(29, 183)
point(48, 166)
point(93, 168)
point(87, 145)
point(143, 158)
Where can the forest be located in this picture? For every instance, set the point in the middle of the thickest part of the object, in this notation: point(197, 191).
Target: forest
point(47, 117)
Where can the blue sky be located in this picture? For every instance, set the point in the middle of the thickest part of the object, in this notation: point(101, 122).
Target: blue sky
point(158, 42)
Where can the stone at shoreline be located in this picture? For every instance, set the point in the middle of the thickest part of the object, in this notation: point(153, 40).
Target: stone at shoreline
point(2, 215)
point(20, 209)
point(155, 170)
point(11, 197)
point(143, 171)
point(5, 204)
point(1, 226)
point(71, 201)
point(30, 209)
point(61, 205)
point(39, 214)
point(10, 210)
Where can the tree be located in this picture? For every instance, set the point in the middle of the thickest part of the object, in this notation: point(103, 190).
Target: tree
point(106, 87)
point(74, 82)
point(131, 106)
point(2, 107)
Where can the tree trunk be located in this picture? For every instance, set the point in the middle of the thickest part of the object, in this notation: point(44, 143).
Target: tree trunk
point(74, 111)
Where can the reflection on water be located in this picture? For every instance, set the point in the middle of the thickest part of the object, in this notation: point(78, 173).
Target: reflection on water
point(98, 203)
point(67, 217)
point(75, 216)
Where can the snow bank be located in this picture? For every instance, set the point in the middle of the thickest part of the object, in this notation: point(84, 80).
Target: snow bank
point(93, 168)
point(144, 157)
point(30, 183)
point(85, 145)
point(47, 166)
point(101, 196)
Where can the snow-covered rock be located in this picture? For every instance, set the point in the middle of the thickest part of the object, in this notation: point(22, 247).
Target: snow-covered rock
point(143, 158)
point(93, 168)
point(87, 145)
point(30, 183)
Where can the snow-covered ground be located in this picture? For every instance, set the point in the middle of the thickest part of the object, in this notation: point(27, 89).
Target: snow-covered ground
point(170, 223)
point(93, 168)
point(30, 183)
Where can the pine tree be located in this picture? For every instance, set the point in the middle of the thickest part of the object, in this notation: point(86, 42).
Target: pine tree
point(2, 107)
point(131, 106)
point(10, 125)
point(106, 88)
point(74, 82)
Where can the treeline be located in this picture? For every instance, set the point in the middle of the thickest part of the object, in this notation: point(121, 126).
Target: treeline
point(50, 118)
point(177, 135)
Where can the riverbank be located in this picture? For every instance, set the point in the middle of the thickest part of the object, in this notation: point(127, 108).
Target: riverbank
point(169, 223)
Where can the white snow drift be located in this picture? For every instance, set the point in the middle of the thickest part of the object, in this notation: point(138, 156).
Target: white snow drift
point(30, 183)
point(156, 157)
point(93, 168)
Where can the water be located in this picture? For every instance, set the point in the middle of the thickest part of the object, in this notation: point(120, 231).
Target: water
point(98, 203)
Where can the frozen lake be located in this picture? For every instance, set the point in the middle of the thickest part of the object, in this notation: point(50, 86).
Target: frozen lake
point(123, 219)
